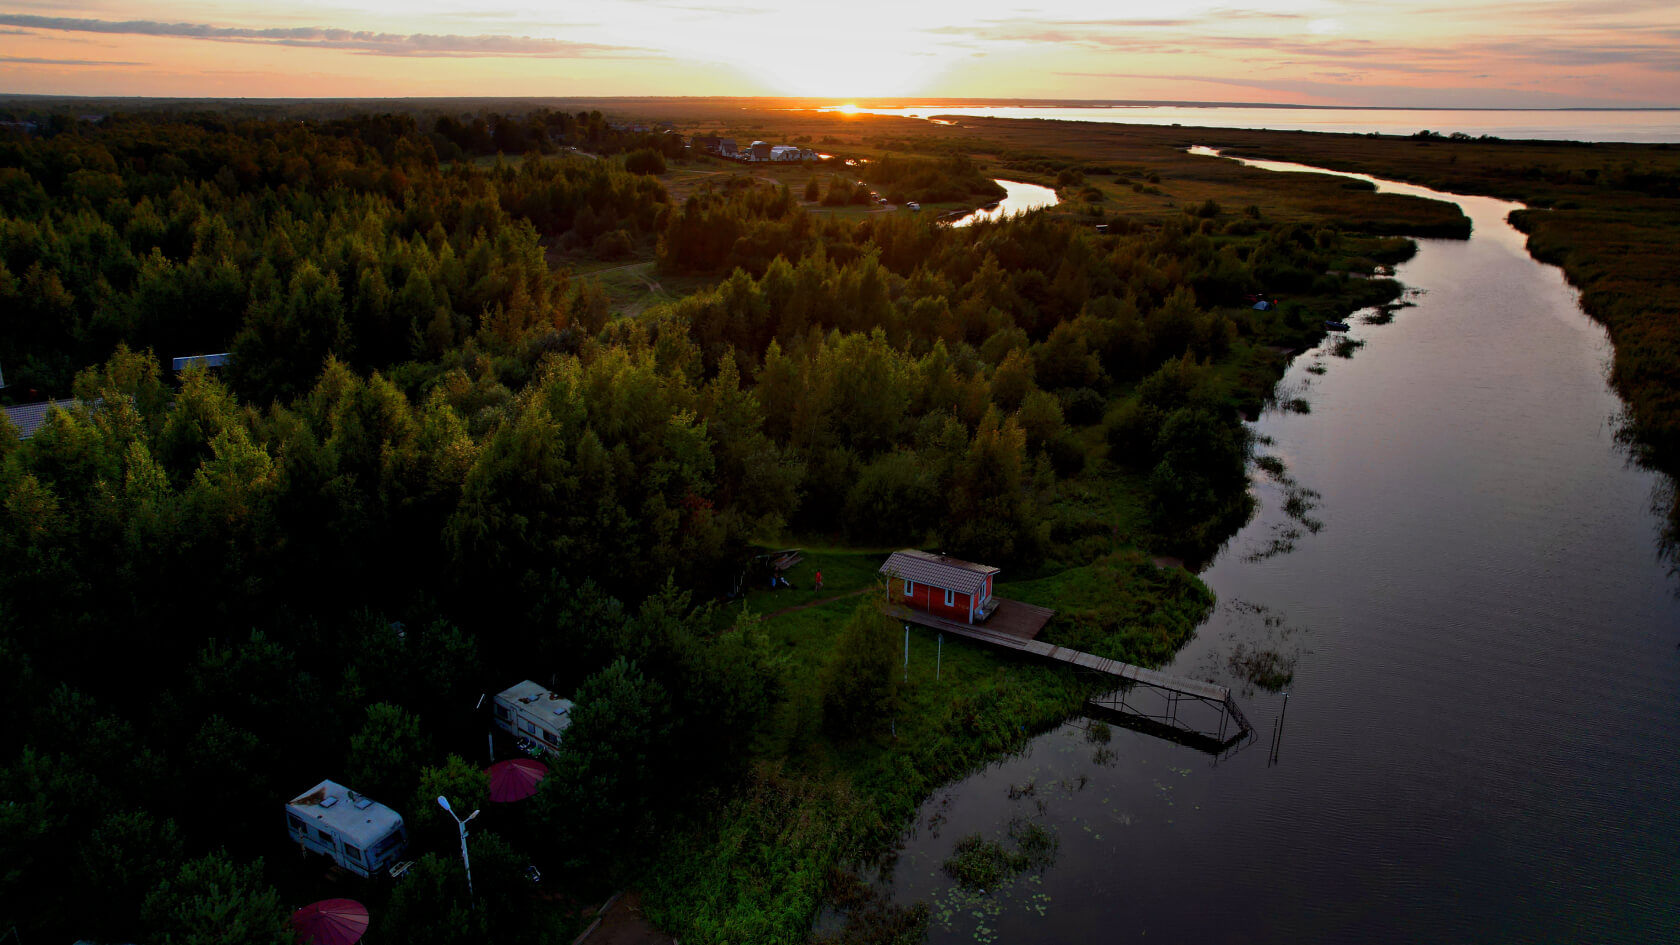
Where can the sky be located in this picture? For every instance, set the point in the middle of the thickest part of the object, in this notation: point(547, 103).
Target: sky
point(1403, 53)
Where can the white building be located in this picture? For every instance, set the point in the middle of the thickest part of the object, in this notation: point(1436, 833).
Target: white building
point(529, 710)
point(359, 833)
point(784, 152)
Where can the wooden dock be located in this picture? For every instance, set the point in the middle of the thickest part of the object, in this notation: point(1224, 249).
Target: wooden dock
point(1018, 632)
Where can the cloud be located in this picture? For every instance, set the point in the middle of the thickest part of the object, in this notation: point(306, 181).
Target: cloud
point(33, 61)
point(358, 41)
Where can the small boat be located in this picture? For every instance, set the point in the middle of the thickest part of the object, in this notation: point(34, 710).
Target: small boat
point(1336, 326)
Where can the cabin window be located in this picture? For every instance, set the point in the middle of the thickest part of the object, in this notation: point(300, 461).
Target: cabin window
point(504, 713)
point(296, 824)
point(548, 736)
point(323, 836)
point(529, 726)
point(909, 588)
point(353, 853)
point(950, 598)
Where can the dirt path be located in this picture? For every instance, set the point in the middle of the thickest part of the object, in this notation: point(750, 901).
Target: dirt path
point(622, 923)
point(815, 603)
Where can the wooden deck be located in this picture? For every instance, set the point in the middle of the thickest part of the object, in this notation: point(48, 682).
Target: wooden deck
point(1023, 623)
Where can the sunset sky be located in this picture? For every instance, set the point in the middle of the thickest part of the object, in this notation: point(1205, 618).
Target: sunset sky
point(1523, 53)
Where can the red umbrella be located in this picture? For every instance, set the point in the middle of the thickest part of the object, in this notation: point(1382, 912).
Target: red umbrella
point(331, 922)
point(515, 779)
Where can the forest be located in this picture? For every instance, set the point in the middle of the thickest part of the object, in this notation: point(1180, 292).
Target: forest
point(440, 461)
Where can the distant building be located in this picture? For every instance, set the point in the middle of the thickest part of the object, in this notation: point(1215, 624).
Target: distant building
point(202, 360)
point(28, 418)
point(358, 833)
point(808, 154)
point(943, 586)
point(784, 152)
point(529, 710)
point(707, 143)
point(726, 147)
point(760, 151)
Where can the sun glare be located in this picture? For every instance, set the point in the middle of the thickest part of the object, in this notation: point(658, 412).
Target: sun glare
point(849, 108)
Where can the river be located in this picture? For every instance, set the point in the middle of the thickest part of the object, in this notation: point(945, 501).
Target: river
point(1019, 198)
point(1572, 124)
point(1482, 737)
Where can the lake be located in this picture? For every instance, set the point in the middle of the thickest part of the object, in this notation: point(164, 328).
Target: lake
point(1638, 125)
point(1482, 737)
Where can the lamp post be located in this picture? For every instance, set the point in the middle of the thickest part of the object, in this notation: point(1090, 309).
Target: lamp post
point(443, 802)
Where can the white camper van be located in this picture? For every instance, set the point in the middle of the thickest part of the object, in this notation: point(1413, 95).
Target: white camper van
point(530, 711)
point(359, 833)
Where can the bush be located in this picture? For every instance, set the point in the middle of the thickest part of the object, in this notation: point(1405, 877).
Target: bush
point(613, 244)
point(859, 690)
point(645, 161)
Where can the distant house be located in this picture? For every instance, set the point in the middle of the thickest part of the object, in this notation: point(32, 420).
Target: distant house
point(726, 147)
point(202, 360)
point(760, 150)
point(808, 154)
point(943, 586)
point(784, 152)
point(707, 143)
point(28, 418)
point(529, 710)
point(358, 833)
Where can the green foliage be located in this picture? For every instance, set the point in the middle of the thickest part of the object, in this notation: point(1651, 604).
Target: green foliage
point(385, 753)
point(859, 688)
point(212, 900)
point(467, 787)
point(644, 161)
point(595, 807)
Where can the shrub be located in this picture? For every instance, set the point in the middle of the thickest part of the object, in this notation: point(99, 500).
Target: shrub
point(645, 161)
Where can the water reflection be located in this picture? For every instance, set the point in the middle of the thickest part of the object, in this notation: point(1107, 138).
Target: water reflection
point(1021, 198)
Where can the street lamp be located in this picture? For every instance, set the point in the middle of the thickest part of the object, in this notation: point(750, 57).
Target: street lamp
point(443, 802)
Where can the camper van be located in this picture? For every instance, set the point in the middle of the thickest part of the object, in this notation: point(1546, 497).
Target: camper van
point(530, 711)
point(358, 833)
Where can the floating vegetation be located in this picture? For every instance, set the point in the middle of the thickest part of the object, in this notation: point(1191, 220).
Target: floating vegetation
point(1344, 347)
point(1271, 464)
point(1317, 367)
point(983, 864)
point(1297, 405)
point(1098, 733)
point(1266, 668)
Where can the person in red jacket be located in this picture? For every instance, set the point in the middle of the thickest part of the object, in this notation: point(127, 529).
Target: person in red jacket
point(819, 580)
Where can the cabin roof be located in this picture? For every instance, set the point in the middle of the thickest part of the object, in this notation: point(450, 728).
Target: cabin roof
point(941, 571)
point(361, 820)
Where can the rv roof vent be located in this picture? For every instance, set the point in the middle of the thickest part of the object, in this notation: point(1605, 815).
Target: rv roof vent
point(559, 710)
point(363, 803)
point(328, 801)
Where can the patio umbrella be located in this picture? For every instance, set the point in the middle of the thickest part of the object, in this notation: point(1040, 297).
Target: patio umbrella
point(515, 779)
point(331, 922)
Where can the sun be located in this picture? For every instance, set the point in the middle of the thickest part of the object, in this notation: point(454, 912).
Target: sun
point(850, 108)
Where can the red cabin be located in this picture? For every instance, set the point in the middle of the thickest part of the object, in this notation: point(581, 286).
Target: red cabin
point(942, 586)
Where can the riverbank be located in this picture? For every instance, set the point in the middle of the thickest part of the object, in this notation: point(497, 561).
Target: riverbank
point(1484, 672)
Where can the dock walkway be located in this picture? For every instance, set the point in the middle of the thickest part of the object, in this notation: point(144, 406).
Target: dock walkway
point(1022, 624)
